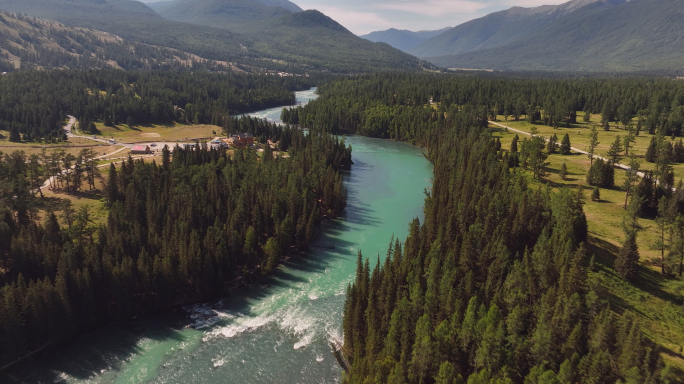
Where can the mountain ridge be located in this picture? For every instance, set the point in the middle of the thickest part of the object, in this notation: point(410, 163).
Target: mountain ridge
point(292, 42)
point(32, 43)
point(402, 39)
point(227, 14)
point(500, 28)
point(639, 35)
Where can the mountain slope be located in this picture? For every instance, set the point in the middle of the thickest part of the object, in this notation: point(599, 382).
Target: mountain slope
point(31, 43)
point(641, 35)
point(294, 42)
point(290, 6)
point(403, 39)
point(223, 13)
point(84, 10)
point(308, 38)
point(311, 38)
point(502, 27)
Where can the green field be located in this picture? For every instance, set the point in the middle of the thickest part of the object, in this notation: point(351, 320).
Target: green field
point(655, 298)
point(177, 132)
point(579, 137)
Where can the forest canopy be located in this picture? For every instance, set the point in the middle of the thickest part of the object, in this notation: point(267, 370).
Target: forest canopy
point(34, 104)
point(493, 286)
point(177, 232)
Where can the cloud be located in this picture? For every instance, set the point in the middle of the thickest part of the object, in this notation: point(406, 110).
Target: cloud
point(363, 16)
point(360, 22)
point(435, 8)
point(528, 3)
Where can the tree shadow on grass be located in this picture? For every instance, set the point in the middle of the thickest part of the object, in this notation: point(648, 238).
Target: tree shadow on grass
point(554, 184)
point(56, 203)
point(603, 251)
point(677, 373)
point(601, 201)
point(648, 280)
point(654, 282)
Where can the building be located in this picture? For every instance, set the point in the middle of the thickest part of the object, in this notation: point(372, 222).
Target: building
point(242, 139)
point(218, 144)
point(141, 150)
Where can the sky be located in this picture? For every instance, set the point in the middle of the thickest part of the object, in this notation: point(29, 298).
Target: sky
point(364, 16)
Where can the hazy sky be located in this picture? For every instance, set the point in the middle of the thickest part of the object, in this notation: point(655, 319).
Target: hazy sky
point(363, 16)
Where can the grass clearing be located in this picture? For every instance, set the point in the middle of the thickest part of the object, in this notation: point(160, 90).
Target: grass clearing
point(176, 132)
point(656, 299)
point(54, 201)
point(73, 146)
point(579, 137)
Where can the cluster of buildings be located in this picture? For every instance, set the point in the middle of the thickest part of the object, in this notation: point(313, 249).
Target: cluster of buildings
point(240, 140)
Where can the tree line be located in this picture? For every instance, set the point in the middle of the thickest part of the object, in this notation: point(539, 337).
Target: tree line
point(33, 105)
point(366, 107)
point(177, 232)
point(493, 286)
point(414, 108)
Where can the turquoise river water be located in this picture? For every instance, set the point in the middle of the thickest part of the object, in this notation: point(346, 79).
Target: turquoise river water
point(277, 330)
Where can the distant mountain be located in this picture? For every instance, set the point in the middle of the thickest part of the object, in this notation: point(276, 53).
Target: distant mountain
point(84, 10)
point(500, 28)
point(312, 34)
point(229, 14)
point(402, 39)
point(290, 6)
point(32, 43)
point(307, 37)
point(640, 35)
point(289, 42)
point(135, 21)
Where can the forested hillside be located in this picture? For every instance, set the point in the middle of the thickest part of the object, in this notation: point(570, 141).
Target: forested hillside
point(34, 104)
point(501, 28)
point(220, 13)
point(402, 39)
point(313, 39)
point(640, 35)
point(365, 106)
point(285, 44)
point(177, 232)
point(496, 285)
point(28, 43)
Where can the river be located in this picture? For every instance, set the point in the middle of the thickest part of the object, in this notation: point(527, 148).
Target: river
point(277, 330)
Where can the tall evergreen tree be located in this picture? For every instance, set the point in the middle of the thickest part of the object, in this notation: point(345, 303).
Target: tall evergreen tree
point(565, 146)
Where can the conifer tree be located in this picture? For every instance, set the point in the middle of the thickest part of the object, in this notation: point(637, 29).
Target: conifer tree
point(552, 144)
point(563, 173)
point(662, 220)
point(112, 185)
point(631, 177)
point(593, 142)
point(652, 150)
point(14, 135)
point(565, 146)
point(627, 260)
point(615, 151)
point(514, 144)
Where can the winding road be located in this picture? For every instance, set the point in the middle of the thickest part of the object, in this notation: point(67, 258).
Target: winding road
point(69, 130)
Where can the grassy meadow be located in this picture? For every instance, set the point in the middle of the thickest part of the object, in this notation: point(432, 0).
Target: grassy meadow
point(656, 299)
point(175, 132)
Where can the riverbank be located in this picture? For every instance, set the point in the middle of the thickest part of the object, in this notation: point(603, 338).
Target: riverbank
point(278, 328)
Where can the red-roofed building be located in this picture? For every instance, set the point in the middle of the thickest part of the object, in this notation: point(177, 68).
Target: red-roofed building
point(242, 139)
point(141, 150)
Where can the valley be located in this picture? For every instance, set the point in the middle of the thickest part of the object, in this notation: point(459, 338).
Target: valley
point(262, 191)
